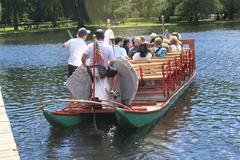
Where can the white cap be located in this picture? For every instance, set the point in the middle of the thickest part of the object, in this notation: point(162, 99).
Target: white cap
point(83, 31)
point(153, 35)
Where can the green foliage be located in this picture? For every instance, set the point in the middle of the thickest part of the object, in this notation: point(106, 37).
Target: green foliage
point(0, 11)
point(97, 11)
point(193, 10)
point(230, 7)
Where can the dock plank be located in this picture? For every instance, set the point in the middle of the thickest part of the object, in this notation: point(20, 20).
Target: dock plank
point(8, 148)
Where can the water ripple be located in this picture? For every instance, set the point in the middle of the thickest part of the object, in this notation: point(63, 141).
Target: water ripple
point(202, 125)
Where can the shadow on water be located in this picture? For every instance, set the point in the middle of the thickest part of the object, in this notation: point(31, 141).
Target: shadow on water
point(145, 142)
point(177, 115)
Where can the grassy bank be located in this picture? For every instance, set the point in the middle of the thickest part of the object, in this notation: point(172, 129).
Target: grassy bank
point(46, 26)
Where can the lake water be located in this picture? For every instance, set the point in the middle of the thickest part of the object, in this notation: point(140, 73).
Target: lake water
point(203, 124)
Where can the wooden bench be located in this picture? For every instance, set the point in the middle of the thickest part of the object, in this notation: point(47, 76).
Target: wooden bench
point(149, 71)
point(155, 68)
point(174, 53)
point(154, 60)
point(167, 70)
point(164, 59)
point(169, 55)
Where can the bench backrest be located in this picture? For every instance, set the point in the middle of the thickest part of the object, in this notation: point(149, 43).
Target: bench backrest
point(149, 70)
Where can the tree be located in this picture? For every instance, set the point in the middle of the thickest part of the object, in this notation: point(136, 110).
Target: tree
point(192, 10)
point(6, 11)
point(230, 7)
point(83, 11)
point(36, 10)
point(0, 11)
point(11, 11)
point(54, 11)
point(165, 7)
point(15, 15)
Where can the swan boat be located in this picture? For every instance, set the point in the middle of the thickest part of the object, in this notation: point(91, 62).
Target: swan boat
point(148, 89)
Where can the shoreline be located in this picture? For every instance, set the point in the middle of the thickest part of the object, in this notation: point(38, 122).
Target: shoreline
point(131, 25)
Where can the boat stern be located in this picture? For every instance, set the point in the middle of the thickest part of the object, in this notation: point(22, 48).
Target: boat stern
point(60, 120)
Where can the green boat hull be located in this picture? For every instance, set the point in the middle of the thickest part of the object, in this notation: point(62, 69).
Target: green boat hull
point(63, 120)
point(137, 120)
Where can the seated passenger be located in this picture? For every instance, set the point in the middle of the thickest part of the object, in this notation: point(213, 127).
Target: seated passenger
point(175, 46)
point(159, 50)
point(153, 36)
point(143, 39)
point(126, 44)
point(137, 41)
point(118, 50)
point(178, 37)
point(142, 53)
point(166, 44)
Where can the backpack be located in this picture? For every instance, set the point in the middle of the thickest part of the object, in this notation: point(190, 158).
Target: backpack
point(160, 52)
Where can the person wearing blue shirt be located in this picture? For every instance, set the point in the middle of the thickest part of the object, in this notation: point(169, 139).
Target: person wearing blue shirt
point(159, 50)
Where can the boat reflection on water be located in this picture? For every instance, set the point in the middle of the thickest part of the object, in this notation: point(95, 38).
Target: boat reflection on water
point(174, 119)
point(80, 141)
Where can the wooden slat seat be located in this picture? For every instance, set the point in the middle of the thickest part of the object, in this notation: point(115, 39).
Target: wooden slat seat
point(149, 71)
point(152, 77)
point(163, 60)
point(168, 56)
point(174, 53)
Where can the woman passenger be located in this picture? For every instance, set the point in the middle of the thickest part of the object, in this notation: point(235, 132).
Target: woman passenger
point(159, 50)
point(175, 46)
point(166, 44)
point(142, 53)
point(126, 44)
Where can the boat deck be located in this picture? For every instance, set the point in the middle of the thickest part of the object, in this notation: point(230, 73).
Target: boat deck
point(148, 108)
point(8, 148)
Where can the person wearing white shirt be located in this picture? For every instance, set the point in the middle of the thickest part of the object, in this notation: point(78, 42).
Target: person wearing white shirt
point(175, 46)
point(108, 36)
point(142, 53)
point(118, 50)
point(76, 46)
point(108, 59)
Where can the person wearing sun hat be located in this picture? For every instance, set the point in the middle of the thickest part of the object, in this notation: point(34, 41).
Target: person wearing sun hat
point(152, 37)
point(76, 48)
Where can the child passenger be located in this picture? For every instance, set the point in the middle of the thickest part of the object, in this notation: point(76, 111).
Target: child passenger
point(159, 50)
point(119, 51)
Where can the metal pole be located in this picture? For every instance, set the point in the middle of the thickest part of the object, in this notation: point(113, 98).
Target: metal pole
point(111, 41)
point(70, 35)
point(109, 23)
point(163, 25)
point(94, 67)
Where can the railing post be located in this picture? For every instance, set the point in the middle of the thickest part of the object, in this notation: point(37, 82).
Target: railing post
point(176, 71)
point(163, 82)
point(167, 77)
point(180, 71)
point(173, 76)
point(191, 44)
point(141, 75)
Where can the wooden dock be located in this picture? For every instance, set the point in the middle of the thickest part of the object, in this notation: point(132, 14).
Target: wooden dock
point(8, 148)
